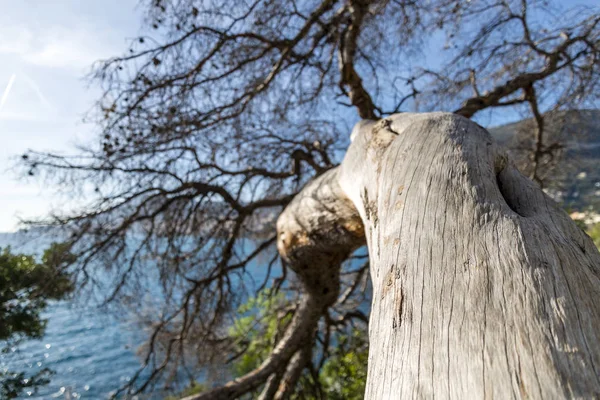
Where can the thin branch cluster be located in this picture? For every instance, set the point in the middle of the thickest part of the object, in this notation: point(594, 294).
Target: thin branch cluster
point(212, 121)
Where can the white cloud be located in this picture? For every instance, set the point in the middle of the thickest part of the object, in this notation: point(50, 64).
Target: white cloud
point(49, 45)
point(57, 47)
point(14, 38)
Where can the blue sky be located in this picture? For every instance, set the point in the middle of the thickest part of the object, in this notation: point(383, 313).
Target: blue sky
point(46, 48)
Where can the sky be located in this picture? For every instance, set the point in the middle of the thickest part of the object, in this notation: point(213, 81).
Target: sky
point(46, 49)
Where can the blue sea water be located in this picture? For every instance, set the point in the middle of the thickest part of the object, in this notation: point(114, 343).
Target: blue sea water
point(92, 353)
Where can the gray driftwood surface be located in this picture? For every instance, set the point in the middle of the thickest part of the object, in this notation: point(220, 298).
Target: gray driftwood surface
point(483, 286)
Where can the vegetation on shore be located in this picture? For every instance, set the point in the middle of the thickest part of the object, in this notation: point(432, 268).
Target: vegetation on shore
point(26, 287)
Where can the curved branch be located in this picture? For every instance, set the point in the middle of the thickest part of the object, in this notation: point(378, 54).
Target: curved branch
point(316, 232)
point(349, 77)
point(303, 324)
point(556, 60)
point(294, 370)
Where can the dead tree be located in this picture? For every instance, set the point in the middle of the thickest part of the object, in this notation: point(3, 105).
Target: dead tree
point(483, 286)
point(211, 125)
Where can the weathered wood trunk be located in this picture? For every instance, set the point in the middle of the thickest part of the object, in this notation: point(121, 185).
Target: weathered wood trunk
point(483, 286)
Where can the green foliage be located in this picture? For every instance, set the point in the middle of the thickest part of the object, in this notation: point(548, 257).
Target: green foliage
point(344, 374)
point(262, 321)
point(194, 388)
point(26, 286)
point(257, 329)
point(594, 232)
point(12, 383)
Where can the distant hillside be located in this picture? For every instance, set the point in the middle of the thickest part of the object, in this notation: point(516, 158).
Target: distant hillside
point(572, 174)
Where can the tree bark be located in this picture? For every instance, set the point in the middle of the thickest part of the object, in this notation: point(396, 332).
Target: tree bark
point(483, 286)
point(316, 233)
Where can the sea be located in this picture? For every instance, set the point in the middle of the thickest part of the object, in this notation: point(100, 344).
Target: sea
point(92, 352)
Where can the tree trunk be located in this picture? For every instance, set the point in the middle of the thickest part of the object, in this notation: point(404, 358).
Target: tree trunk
point(483, 286)
point(317, 232)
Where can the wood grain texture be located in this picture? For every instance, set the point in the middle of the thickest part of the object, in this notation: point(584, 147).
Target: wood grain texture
point(316, 233)
point(483, 286)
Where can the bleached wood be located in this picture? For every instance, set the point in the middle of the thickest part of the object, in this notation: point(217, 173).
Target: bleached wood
point(316, 233)
point(483, 286)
